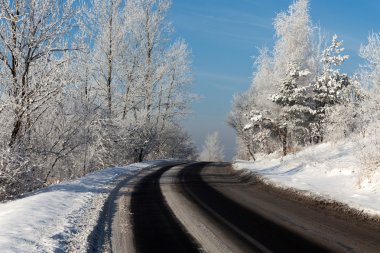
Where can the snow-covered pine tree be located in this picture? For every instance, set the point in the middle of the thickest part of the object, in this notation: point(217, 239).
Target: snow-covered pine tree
point(331, 86)
point(262, 132)
point(286, 72)
point(294, 67)
point(296, 112)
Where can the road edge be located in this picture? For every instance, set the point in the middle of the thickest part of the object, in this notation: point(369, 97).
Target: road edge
point(333, 207)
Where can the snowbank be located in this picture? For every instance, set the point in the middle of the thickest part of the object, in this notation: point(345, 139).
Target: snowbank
point(331, 171)
point(60, 217)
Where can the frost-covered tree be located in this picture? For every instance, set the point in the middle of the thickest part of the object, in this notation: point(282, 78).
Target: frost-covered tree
point(147, 37)
point(331, 87)
point(278, 110)
point(275, 104)
point(157, 74)
point(33, 46)
point(294, 43)
point(253, 110)
point(36, 42)
point(238, 120)
point(330, 83)
point(212, 150)
point(369, 74)
point(88, 85)
point(105, 29)
point(137, 79)
point(368, 117)
point(262, 132)
point(263, 81)
point(174, 143)
point(101, 81)
point(295, 108)
point(293, 67)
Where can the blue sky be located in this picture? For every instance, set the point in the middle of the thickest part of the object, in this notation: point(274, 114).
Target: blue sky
point(224, 36)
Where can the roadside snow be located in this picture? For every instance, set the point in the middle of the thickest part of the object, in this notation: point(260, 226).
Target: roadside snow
point(60, 217)
point(332, 171)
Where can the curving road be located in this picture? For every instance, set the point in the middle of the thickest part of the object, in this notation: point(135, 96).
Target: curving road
point(155, 228)
point(207, 207)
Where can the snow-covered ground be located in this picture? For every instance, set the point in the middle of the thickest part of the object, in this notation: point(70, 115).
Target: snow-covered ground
point(330, 171)
point(60, 217)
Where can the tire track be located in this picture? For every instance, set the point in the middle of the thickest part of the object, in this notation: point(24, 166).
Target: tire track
point(261, 233)
point(99, 239)
point(155, 227)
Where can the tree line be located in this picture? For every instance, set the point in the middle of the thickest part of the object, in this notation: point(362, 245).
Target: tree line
point(298, 95)
point(86, 85)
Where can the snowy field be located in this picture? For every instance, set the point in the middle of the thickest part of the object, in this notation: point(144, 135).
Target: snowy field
point(60, 217)
point(330, 171)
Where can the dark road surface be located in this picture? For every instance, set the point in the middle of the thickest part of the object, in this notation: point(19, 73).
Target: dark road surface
point(251, 227)
point(155, 228)
point(253, 219)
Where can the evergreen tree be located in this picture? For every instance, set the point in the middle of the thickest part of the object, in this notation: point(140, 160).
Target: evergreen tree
point(296, 111)
point(331, 87)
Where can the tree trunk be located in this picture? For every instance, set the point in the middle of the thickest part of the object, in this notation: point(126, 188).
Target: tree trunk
point(283, 136)
point(251, 153)
point(15, 132)
point(110, 63)
point(285, 141)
